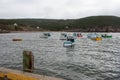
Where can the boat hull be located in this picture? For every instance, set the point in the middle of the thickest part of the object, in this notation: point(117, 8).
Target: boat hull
point(97, 39)
point(68, 44)
point(106, 36)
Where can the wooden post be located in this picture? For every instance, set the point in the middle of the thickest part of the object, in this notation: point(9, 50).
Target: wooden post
point(28, 61)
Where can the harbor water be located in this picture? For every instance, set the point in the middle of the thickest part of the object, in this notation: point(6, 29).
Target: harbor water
point(86, 60)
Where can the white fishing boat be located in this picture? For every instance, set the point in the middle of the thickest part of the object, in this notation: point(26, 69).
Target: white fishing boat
point(92, 35)
point(63, 36)
point(45, 35)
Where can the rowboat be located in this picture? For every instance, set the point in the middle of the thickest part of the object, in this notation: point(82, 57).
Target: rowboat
point(63, 36)
point(77, 35)
point(97, 39)
point(106, 36)
point(45, 35)
point(92, 35)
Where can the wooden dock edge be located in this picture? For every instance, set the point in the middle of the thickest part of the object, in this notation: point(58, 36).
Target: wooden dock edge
point(20, 75)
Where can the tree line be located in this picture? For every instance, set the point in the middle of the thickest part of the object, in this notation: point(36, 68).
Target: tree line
point(92, 23)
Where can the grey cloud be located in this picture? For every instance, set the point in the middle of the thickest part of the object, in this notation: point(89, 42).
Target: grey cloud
point(65, 9)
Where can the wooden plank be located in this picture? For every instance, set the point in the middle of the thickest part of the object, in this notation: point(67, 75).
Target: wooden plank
point(20, 75)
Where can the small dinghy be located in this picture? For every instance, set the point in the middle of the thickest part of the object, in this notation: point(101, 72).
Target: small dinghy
point(70, 42)
point(77, 35)
point(45, 35)
point(106, 36)
point(63, 36)
point(92, 35)
point(97, 39)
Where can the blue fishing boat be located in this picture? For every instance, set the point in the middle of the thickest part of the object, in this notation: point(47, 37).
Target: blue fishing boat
point(70, 42)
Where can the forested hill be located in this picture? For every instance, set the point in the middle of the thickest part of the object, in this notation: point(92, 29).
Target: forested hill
point(88, 24)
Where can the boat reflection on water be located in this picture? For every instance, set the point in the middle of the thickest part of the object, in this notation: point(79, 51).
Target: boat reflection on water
point(70, 49)
point(70, 54)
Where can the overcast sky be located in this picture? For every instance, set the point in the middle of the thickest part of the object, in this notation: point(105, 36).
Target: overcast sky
point(58, 9)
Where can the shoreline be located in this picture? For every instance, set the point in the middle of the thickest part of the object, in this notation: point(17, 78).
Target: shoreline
point(54, 31)
point(59, 31)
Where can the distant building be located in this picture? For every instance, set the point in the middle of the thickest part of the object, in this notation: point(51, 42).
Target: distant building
point(38, 27)
point(15, 25)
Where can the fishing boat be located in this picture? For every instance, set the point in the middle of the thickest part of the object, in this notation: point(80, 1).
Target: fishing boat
point(70, 42)
point(63, 36)
point(97, 39)
point(77, 35)
point(45, 35)
point(106, 36)
point(92, 35)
